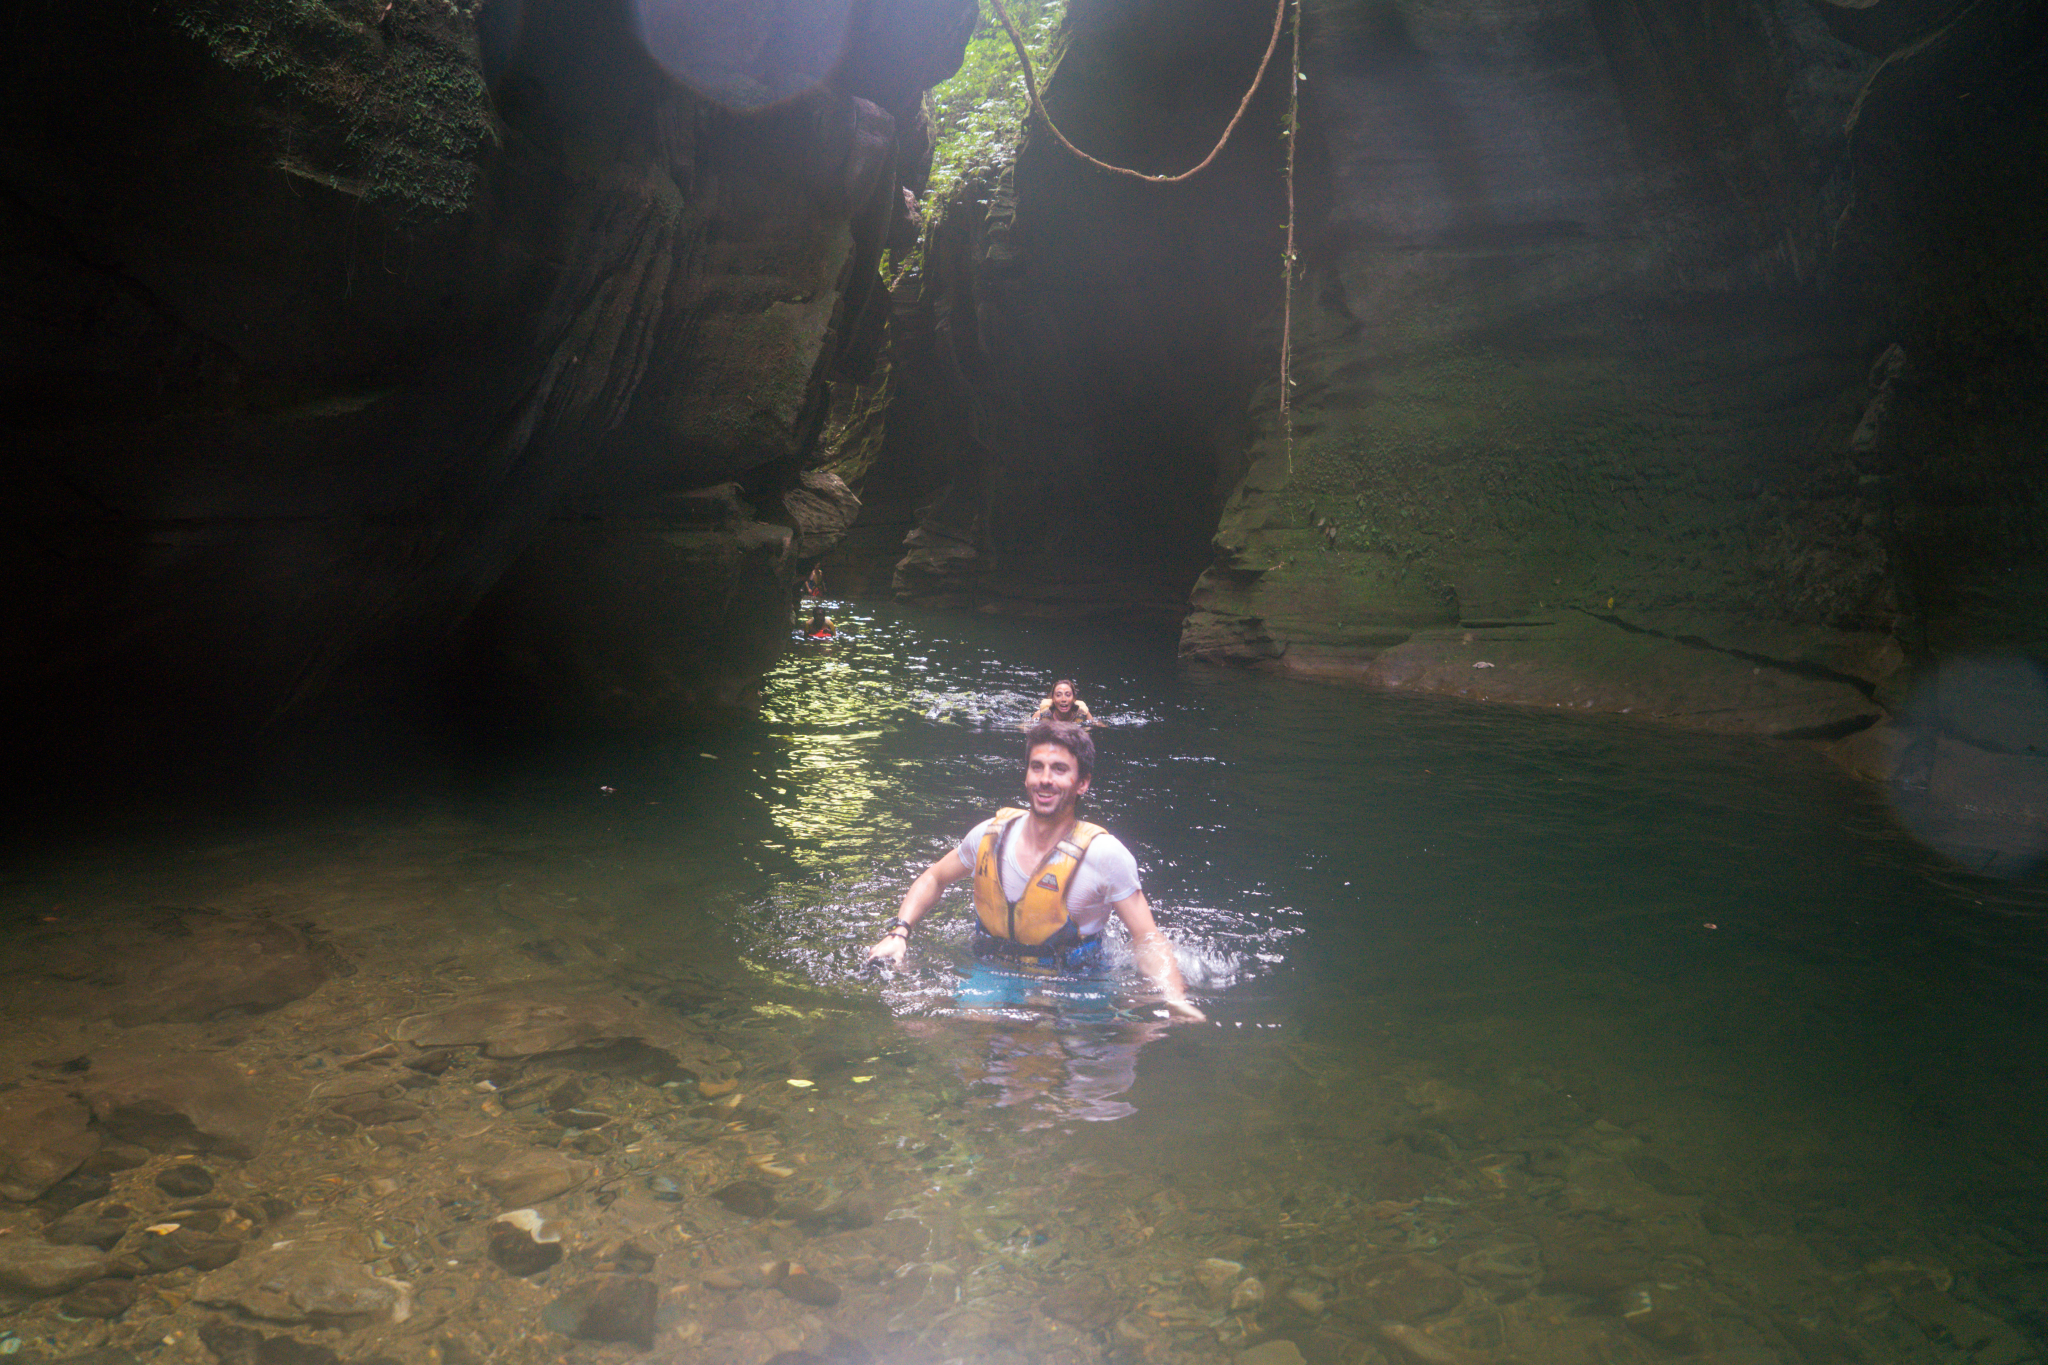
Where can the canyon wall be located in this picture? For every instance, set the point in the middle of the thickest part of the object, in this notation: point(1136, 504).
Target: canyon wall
point(343, 336)
point(1675, 360)
point(1672, 360)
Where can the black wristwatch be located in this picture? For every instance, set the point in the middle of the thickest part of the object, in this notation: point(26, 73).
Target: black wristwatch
point(889, 929)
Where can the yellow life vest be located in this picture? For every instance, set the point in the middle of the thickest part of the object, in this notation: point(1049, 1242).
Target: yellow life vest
point(1041, 911)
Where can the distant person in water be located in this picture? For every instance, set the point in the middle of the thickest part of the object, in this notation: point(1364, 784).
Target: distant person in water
point(1045, 881)
point(814, 582)
point(1063, 705)
point(820, 627)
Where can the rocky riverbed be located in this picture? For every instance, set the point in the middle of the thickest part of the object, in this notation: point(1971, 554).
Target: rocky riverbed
point(424, 1096)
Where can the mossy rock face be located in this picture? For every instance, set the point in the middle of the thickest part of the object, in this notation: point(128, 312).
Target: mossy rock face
point(1514, 395)
point(383, 101)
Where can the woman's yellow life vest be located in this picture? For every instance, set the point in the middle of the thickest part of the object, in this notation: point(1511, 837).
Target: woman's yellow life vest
point(1042, 910)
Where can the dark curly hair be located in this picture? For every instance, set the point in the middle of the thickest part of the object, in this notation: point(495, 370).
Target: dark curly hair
point(1068, 736)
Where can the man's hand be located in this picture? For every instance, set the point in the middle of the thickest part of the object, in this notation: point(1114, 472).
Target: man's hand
point(923, 894)
point(1155, 957)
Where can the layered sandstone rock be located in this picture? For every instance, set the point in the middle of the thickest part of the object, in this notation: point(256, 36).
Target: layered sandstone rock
point(322, 315)
point(1586, 414)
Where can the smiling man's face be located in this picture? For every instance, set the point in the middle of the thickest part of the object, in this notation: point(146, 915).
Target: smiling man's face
point(1053, 779)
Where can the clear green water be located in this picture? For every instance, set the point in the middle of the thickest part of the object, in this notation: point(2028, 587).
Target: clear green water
point(1477, 977)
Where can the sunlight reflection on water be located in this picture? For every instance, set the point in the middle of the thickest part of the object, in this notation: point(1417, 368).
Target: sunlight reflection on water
point(894, 742)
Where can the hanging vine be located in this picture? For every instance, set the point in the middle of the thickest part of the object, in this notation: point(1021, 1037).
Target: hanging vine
point(1038, 105)
point(1293, 131)
point(1280, 14)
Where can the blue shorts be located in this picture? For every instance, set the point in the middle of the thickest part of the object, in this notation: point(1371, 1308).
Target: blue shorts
point(1075, 985)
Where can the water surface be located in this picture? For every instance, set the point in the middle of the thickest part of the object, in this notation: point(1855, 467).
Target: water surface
point(1485, 984)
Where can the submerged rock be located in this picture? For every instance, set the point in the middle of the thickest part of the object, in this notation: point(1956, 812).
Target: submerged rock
point(1400, 1289)
point(91, 1227)
point(43, 1138)
point(306, 1284)
point(533, 1177)
point(101, 1299)
point(234, 1344)
point(521, 1244)
point(519, 1022)
point(185, 1180)
point(34, 1270)
point(613, 1308)
point(178, 1103)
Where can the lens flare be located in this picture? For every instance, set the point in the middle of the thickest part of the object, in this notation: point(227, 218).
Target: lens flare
point(742, 54)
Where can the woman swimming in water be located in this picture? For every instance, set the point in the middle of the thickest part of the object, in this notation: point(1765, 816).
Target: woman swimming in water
point(1062, 705)
point(820, 627)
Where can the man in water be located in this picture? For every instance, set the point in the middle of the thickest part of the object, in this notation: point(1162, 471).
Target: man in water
point(1063, 705)
point(1045, 882)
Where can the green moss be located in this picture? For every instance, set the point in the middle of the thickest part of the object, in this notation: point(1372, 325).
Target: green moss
point(977, 114)
point(395, 112)
point(854, 433)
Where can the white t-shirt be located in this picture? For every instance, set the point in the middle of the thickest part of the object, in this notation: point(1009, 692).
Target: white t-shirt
point(1108, 874)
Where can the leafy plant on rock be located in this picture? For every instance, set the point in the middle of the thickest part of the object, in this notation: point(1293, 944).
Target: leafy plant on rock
point(978, 113)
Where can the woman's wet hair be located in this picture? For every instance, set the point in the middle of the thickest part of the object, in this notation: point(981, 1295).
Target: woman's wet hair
point(1069, 736)
point(1058, 683)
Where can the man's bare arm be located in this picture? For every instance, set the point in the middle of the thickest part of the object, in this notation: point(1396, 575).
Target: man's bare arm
point(1155, 956)
point(923, 894)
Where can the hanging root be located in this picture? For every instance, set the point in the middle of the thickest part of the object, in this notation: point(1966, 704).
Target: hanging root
point(1038, 105)
point(1287, 260)
point(1280, 12)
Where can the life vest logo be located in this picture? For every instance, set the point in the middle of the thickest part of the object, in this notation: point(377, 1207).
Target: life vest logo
point(1049, 882)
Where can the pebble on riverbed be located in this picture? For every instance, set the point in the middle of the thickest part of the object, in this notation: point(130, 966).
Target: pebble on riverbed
point(185, 1180)
point(522, 1244)
point(101, 1299)
point(100, 1225)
